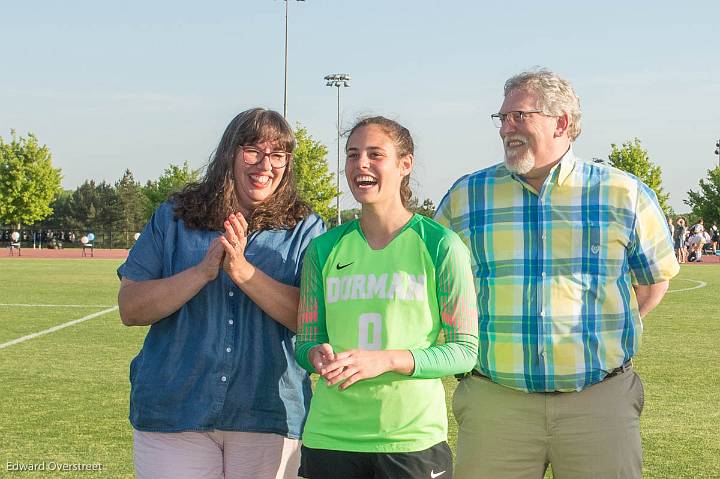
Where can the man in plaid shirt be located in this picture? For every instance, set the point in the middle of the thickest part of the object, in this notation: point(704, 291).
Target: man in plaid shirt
point(568, 256)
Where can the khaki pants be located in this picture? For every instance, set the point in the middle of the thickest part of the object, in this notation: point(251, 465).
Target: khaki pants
point(215, 455)
point(504, 433)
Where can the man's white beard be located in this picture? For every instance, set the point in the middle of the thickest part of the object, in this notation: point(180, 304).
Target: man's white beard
point(521, 164)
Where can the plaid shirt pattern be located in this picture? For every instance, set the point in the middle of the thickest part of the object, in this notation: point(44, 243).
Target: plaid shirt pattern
point(554, 269)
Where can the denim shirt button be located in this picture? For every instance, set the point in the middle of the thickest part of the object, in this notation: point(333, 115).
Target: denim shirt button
point(230, 321)
point(231, 294)
point(223, 379)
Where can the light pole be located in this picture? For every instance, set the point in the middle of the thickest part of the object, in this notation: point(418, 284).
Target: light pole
point(286, 59)
point(717, 150)
point(337, 80)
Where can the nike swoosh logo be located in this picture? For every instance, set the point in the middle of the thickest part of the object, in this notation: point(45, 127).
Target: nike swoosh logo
point(339, 266)
point(433, 474)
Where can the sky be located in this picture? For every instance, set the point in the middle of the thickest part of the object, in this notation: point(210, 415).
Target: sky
point(142, 85)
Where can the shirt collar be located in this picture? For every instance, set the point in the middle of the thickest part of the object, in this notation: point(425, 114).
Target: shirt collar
point(566, 165)
point(561, 170)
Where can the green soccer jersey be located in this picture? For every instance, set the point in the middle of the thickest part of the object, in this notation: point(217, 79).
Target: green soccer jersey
point(397, 297)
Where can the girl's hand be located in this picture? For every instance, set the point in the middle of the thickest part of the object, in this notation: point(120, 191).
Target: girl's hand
point(355, 365)
point(322, 358)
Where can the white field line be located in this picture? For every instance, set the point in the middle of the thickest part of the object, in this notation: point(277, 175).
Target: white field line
point(57, 328)
point(700, 284)
point(56, 305)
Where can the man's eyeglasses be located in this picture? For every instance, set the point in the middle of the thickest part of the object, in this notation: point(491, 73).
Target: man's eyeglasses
point(252, 155)
point(511, 117)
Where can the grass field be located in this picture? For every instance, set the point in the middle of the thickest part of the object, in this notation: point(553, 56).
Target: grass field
point(64, 396)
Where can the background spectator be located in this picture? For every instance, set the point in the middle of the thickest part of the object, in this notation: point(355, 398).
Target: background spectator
point(695, 246)
point(679, 234)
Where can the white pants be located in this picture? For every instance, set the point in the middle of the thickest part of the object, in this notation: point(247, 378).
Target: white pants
point(215, 455)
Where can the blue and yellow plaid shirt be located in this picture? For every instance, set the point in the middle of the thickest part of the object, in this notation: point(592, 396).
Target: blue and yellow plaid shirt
point(554, 269)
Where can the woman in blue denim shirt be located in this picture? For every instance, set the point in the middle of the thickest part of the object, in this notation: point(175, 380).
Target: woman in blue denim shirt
point(215, 390)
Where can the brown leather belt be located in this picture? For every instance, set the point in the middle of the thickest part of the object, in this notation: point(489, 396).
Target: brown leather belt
point(627, 365)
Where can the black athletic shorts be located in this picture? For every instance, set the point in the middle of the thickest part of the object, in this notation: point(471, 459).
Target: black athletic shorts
point(435, 462)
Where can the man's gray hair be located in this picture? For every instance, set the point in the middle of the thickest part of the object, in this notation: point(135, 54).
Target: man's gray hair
point(557, 95)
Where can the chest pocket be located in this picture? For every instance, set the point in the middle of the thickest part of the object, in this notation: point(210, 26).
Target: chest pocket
point(597, 248)
point(594, 247)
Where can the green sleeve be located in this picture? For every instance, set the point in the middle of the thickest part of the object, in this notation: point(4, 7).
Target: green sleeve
point(457, 305)
point(312, 329)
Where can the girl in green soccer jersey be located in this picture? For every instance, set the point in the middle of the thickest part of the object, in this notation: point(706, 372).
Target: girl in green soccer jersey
point(375, 295)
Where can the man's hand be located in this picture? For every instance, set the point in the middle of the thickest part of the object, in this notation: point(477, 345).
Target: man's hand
point(649, 296)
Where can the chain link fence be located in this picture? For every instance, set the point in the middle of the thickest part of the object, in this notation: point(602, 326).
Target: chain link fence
point(68, 238)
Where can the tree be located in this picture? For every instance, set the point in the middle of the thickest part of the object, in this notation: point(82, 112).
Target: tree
point(315, 183)
point(61, 216)
point(634, 159)
point(94, 205)
point(131, 205)
point(84, 205)
point(28, 181)
point(171, 181)
point(346, 216)
point(706, 203)
point(426, 209)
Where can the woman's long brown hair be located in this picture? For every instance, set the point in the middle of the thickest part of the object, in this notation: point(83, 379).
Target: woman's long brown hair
point(206, 204)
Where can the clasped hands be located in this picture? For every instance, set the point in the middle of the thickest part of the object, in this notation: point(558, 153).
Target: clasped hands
point(355, 365)
point(228, 251)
